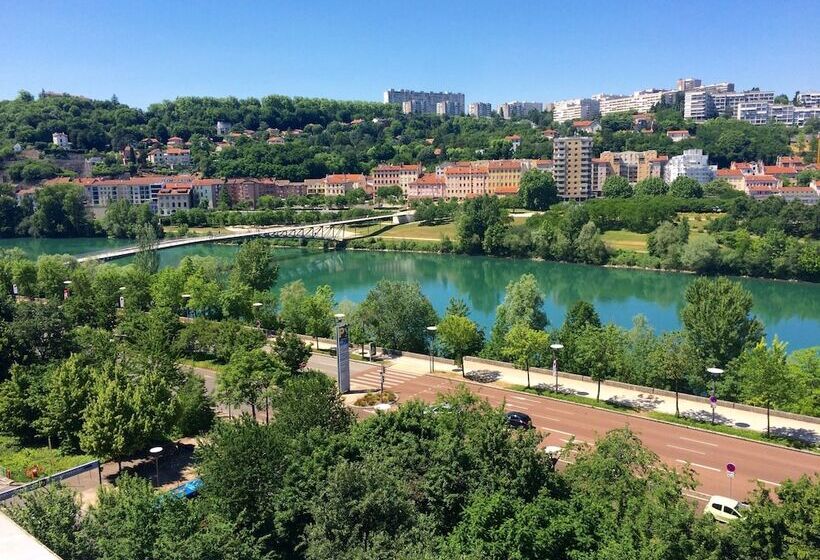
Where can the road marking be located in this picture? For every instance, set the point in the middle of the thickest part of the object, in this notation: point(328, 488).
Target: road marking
point(689, 495)
point(576, 440)
point(698, 441)
point(768, 482)
point(557, 431)
point(685, 449)
point(698, 465)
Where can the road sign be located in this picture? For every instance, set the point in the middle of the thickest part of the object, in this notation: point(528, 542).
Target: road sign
point(730, 467)
point(730, 474)
point(14, 288)
point(713, 401)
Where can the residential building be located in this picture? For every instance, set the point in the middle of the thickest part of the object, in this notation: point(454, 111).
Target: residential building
point(692, 163)
point(429, 185)
point(466, 181)
point(550, 133)
point(223, 128)
point(519, 109)
point(735, 178)
point(448, 108)
point(174, 197)
point(479, 109)
point(590, 127)
point(634, 166)
point(806, 195)
point(248, 190)
point(171, 157)
point(677, 135)
point(686, 84)
point(803, 114)
point(341, 184)
point(573, 167)
point(401, 175)
point(547, 165)
point(515, 140)
point(60, 139)
point(809, 98)
point(424, 101)
point(643, 121)
point(781, 172)
point(640, 101)
point(206, 190)
point(753, 113)
point(600, 170)
point(791, 161)
point(504, 176)
point(176, 142)
point(576, 109)
point(726, 104)
point(698, 105)
point(137, 190)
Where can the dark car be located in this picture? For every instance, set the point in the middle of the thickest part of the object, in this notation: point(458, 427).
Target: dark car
point(518, 420)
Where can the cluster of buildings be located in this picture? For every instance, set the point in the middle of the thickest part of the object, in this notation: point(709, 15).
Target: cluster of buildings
point(753, 106)
point(761, 181)
point(426, 102)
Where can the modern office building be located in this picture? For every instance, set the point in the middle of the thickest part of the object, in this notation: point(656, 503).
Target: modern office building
point(424, 102)
point(516, 109)
point(572, 167)
point(693, 163)
point(576, 109)
point(479, 109)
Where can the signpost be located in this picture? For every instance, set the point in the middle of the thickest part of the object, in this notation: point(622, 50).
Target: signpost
point(14, 289)
point(343, 357)
point(730, 472)
point(381, 379)
point(713, 403)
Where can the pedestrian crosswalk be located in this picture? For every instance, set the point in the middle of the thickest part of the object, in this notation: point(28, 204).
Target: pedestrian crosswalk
point(371, 378)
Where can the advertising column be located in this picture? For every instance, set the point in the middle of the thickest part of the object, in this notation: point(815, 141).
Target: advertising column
point(343, 358)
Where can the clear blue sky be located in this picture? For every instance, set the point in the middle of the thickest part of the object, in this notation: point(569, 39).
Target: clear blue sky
point(149, 50)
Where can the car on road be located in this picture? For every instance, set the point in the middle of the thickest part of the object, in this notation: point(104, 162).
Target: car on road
point(519, 420)
point(725, 510)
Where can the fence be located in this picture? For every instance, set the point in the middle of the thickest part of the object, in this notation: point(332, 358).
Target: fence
point(75, 475)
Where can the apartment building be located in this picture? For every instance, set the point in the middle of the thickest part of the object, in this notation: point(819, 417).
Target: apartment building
point(640, 101)
point(448, 108)
point(576, 109)
point(171, 157)
point(60, 139)
point(809, 98)
point(479, 109)
point(429, 185)
point(424, 102)
point(572, 171)
point(753, 113)
point(692, 163)
point(401, 175)
point(466, 181)
point(686, 84)
point(698, 106)
point(677, 135)
point(341, 184)
point(635, 166)
point(174, 197)
point(504, 176)
point(519, 109)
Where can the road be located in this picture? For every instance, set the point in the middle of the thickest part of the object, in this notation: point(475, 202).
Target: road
point(707, 453)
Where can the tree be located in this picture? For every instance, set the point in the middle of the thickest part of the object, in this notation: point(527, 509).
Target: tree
point(600, 353)
point(685, 187)
point(701, 254)
point(616, 186)
point(318, 312)
point(460, 336)
point(247, 378)
point(69, 393)
point(523, 302)
point(292, 299)
point(457, 306)
point(475, 218)
point(525, 345)
point(292, 351)
point(590, 246)
point(537, 190)
point(667, 241)
point(398, 314)
point(651, 186)
point(765, 378)
point(146, 259)
point(717, 322)
point(674, 359)
point(255, 266)
point(109, 427)
point(194, 410)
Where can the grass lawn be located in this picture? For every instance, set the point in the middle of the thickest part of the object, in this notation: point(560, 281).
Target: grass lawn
point(622, 239)
point(49, 461)
point(698, 221)
point(415, 230)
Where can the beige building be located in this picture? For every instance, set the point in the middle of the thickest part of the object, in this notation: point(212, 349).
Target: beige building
point(429, 185)
point(174, 197)
point(635, 166)
point(341, 184)
point(401, 175)
point(466, 181)
point(573, 167)
point(504, 176)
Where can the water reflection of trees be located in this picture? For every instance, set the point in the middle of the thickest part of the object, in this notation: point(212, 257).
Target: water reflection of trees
point(481, 281)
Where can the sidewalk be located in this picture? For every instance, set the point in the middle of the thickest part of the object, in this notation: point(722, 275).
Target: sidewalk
point(691, 408)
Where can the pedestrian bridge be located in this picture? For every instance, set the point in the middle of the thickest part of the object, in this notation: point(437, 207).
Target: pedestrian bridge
point(332, 231)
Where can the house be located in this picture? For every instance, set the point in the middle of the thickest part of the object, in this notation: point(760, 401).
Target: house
point(60, 139)
point(341, 184)
point(677, 135)
point(429, 185)
point(515, 140)
point(401, 175)
point(590, 127)
point(176, 142)
point(504, 176)
point(734, 177)
point(174, 197)
point(643, 122)
point(171, 157)
point(781, 171)
point(550, 133)
point(276, 140)
point(791, 161)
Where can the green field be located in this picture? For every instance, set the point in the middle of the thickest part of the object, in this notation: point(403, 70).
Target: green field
point(15, 460)
point(420, 232)
point(622, 239)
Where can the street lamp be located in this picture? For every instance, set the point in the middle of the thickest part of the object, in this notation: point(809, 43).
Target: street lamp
point(555, 348)
point(714, 371)
point(156, 452)
point(66, 284)
point(257, 305)
point(122, 297)
point(432, 330)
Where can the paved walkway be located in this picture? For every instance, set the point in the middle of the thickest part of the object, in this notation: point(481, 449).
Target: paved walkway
point(507, 376)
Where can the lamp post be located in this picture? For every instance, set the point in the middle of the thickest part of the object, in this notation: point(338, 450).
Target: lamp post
point(555, 348)
point(432, 330)
point(714, 371)
point(122, 297)
point(156, 452)
point(185, 299)
point(257, 305)
point(66, 284)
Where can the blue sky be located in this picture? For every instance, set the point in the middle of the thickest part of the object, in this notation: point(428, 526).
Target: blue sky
point(147, 51)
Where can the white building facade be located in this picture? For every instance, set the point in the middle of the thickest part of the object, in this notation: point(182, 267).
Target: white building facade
point(693, 163)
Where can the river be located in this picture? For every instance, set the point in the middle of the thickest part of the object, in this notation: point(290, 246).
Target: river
point(791, 310)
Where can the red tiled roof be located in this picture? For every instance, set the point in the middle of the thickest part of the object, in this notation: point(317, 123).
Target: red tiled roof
point(504, 164)
point(404, 167)
point(659, 159)
point(429, 179)
point(340, 178)
point(729, 173)
point(177, 151)
point(513, 138)
point(581, 124)
point(506, 190)
point(176, 188)
point(463, 170)
point(760, 179)
point(779, 170)
point(677, 133)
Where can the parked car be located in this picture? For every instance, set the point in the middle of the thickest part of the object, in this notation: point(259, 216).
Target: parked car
point(725, 510)
point(519, 420)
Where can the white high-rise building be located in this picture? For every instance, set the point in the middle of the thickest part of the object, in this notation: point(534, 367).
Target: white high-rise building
point(693, 163)
point(519, 108)
point(809, 98)
point(479, 109)
point(640, 101)
point(576, 109)
point(698, 106)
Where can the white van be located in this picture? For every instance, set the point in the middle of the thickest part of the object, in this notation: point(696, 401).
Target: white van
point(725, 510)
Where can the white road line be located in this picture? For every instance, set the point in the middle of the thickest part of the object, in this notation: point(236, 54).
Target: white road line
point(698, 465)
point(698, 441)
point(576, 440)
point(685, 449)
point(689, 495)
point(768, 482)
point(556, 431)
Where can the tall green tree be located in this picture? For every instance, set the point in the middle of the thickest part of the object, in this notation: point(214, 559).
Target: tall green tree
point(600, 353)
point(537, 190)
point(765, 378)
point(255, 265)
point(616, 186)
point(146, 259)
point(524, 303)
point(525, 345)
point(459, 336)
point(398, 314)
